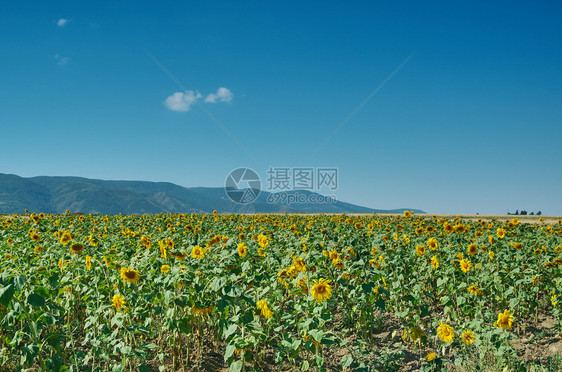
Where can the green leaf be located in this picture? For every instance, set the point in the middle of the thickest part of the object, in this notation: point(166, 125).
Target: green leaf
point(368, 288)
point(19, 282)
point(236, 366)
point(296, 344)
point(346, 361)
point(229, 331)
point(42, 291)
point(305, 365)
point(35, 300)
point(513, 302)
point(228, 352)
point(6, 294)
point(316, 334)
point(126, 350)
point(54, 280)
point(53, 339)
point(217, 283)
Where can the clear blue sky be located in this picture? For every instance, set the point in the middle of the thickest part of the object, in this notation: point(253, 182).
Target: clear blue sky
point(471, 123)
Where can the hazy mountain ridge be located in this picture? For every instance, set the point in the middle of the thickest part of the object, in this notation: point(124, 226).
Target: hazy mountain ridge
point(76, 194)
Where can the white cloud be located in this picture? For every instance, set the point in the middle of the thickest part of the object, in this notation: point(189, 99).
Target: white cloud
point(62, 22)
point(222, 95)
point(180, 101)
point(62, 61)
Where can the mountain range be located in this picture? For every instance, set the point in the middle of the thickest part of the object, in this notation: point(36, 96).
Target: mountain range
point(77, 194)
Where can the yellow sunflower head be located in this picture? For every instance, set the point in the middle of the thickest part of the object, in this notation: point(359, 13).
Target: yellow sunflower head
point(445, 332)
point(321, 290)
point(505, 320)
point(129, 275)
point(76, 248)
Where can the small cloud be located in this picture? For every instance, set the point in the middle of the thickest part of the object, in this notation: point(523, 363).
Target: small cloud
point(181, 101)
point(222, 95)
point(62, 22)
point(62, 61)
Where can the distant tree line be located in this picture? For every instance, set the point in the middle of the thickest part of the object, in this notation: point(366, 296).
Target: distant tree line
point(524, 213)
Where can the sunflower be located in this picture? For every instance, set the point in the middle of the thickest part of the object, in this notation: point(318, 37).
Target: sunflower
point(169, 243)
point(434, 262)
point(178, 255)
point(165, 269)
point(146, 242)
point(10, 241)
point(321, 290)
point(420, 250)
point(129, 275)
point(118, 302)
point(448, 227)
point(36, 237)
point(500, 233)
point(472, 249)
point(505, 320)
point(333, 255)
point(429, 357)
point(163, 252)
point(65, 238)
point(338, 263)
point(468, 337)
point(492, 255)
point(445, 332)
point(473, 289)
point(265, 311)
point(303, 285)
point(76, 248)
point(432, 244)
point(241, 236)
point(197, 252)
point(491, 239)
point(263, 240)
point(297, 262)
point(88, 262)
point(553, 299)
point(242, 249)
point(465, 265)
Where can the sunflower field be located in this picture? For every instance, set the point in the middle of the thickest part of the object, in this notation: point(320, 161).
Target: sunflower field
point(276, 292)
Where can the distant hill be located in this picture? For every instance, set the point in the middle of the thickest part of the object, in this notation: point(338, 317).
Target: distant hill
point(76, 194)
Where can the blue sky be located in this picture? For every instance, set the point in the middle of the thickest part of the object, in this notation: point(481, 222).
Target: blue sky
point(471, 123)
